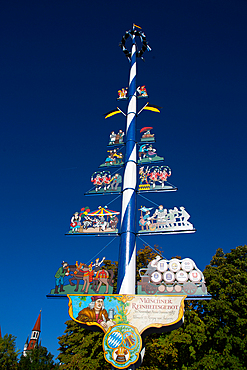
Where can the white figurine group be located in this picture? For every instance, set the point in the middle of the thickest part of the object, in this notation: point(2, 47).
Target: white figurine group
point(173, 219)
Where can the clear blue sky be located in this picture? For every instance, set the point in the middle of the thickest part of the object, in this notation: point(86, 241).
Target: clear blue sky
point(60, 71)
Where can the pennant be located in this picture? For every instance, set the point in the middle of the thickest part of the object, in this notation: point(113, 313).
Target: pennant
point(113, 112)
point(136, 26)
point(152, 107)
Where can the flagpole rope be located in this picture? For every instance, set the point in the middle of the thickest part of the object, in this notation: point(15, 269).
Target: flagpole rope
point(148, 200)
point(107, 245)
point(151, 247)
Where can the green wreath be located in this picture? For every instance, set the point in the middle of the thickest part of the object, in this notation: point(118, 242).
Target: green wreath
point(137, 33)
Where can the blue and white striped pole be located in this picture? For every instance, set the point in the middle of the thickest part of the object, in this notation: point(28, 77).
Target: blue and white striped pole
point(127, 248)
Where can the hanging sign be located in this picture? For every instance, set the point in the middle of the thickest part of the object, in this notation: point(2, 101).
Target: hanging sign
point(147, 154)
point(154, 178)
point(80, 277)
point(146, 135)
point(142, 91)
point(162, 220)
point(105, 182)
point(102, 221)
point(114, 158)
point(122, 94)
point(116, 139)
point(172, 277)
point(123, 318)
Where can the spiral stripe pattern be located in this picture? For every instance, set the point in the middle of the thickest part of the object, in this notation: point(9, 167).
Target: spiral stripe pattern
point(127, 248)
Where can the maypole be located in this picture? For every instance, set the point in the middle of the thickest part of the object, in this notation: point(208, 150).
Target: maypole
point(158, 305)
point(127, 247)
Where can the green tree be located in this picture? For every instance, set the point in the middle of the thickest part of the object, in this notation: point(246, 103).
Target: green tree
point(8, 352)
point(37, 359)
point(225, 315)
point(81, 349)
point(213, 335)
point(214, 332)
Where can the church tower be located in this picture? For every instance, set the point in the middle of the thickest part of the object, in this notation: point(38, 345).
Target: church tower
point(34, 337)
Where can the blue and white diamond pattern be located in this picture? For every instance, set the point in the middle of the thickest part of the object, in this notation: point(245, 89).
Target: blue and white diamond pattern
point(115, 339)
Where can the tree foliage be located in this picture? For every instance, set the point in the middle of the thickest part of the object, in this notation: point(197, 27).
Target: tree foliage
point(81, 349)
point(214, 332)
point(213, 335)
point(8, 352)
point(37, 359)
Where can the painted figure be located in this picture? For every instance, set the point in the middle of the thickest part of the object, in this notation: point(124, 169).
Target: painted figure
point(147, 136)
point(75, 222)
point(116, 181)
point(97, 180)
point(97, 221)
point(148, 154)
point(87, 222)
point(119, 137)
point(122, 94)
point(113, 221)
point(154, 176)
point(142, 151)
point(106, 180)
point(151, 152)
point(184, 217)
point(112, 138)
point(61, 272)
point(95, 312)
point(163, 174)
point(114, 158)
point(145, 219)
point(117, 157)
point(142, 91)
point(92, 274)
point(144, 175)
point(160, 215)
point(116, 138)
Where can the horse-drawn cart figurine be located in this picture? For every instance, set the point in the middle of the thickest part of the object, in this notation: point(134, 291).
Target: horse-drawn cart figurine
point(83, 278)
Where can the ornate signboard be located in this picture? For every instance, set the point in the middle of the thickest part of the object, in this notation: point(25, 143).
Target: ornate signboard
point(123, 318)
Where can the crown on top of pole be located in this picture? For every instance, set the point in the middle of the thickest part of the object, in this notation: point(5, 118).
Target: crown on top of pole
point(132, 33)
